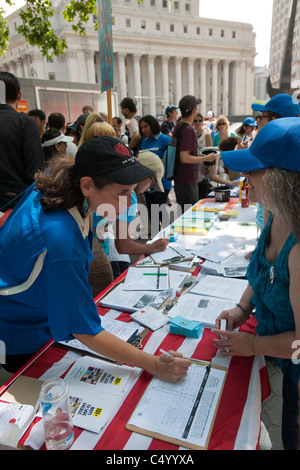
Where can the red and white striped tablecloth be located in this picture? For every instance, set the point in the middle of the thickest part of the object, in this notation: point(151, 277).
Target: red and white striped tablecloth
point(237, 423)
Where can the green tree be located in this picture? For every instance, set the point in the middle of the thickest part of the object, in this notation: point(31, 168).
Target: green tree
point(36, 24)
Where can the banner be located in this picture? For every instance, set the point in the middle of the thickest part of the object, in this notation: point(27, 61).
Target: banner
point(105, 44)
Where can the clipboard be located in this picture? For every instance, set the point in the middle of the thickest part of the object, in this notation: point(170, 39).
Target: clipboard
point(185, 441)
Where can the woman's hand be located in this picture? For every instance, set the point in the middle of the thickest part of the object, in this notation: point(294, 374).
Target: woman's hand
point(159, 245)
point(234, 343)
point(235, 317)
point(171, 369)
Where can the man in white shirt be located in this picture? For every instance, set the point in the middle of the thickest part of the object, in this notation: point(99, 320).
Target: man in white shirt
point(129, 111)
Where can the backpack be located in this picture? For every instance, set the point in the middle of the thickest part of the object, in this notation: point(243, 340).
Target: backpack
point(169, 156)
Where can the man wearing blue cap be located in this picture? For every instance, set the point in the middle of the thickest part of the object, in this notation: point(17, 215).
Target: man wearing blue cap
point(168, 125)
point(278, 107)
point(272, 166)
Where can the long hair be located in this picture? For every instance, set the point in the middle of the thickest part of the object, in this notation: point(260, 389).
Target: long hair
point(282, 196)
point(95, 125)
point(60, 187)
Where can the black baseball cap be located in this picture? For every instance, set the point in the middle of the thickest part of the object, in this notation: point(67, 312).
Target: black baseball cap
point(188, 102)
point(109, 157)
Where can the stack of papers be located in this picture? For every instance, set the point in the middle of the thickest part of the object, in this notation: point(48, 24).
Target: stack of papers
point(200, 308)
point(172, 254)
point(130, 301)
point(235, 265)
point(220, 249)
point(14, 420)
point(147, 279)
point(220, 287)
point(150, 318)
point(95, 387)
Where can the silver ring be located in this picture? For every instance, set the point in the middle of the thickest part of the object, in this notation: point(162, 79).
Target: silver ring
point(227, 349)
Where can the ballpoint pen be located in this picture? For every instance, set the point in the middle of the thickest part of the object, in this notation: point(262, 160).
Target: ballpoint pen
point(155, 274)
point(195, 361)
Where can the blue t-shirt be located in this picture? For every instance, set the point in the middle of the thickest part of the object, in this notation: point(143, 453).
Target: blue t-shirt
point(157, 145)
point(270, 283)
point(127, 216)
point(59, 303)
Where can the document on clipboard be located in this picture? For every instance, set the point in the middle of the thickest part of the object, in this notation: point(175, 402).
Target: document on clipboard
point(147, 279)
point(182, 413)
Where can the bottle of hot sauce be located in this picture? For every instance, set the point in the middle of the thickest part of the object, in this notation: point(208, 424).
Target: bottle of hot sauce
point(244, 192)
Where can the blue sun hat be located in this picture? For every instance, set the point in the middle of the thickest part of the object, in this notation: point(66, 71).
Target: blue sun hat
point(277, 144)
point(249, 121)
point(281, 104)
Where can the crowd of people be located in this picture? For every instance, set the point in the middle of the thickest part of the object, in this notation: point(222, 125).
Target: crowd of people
point(61, 184)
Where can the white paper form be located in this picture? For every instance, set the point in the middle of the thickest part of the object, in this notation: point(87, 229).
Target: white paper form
point(184, 410)
point(147, 279)
point(173, 251)
point(130, 301)
point(200, 308)
point(220, 249)
point(221, 287)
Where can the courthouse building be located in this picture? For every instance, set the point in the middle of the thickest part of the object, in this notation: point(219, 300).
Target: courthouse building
point(162, 50)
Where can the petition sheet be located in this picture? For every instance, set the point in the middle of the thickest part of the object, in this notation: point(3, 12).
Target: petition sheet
point(200, 308)
point(184, 410)
point(220, 287)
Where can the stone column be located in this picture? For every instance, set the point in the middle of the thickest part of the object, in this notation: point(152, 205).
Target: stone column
point(178, 83)
point(165, 79)
point(90, 66)
point(214, 91)
point(122, 76)
point(225, 86)
point(190, 76)
point(203, 105)
point(151, 84)
point(72, 65)
point(249, 88)
point(137, 75)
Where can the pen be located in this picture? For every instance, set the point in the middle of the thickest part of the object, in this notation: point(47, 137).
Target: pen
point(155, 274)
point(196, 361)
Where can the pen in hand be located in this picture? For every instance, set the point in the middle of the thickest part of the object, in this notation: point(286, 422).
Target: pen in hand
point(204, 363)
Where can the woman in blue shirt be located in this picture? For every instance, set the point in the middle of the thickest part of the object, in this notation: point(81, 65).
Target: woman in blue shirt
point(155, 142)
point(272, 166)
point(45, 256)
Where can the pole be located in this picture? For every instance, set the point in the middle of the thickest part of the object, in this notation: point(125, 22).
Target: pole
point(109, 109)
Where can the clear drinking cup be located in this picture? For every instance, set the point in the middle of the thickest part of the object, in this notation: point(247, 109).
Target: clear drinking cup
point(57, 421)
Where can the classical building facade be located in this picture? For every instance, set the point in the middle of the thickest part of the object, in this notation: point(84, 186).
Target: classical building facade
point(162, 50)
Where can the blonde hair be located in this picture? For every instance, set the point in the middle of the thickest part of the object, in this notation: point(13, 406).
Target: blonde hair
point(282, 196)
point(222, 118)
point(95, 125)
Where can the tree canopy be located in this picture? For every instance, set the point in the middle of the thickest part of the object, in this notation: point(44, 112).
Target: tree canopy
point(36, 24)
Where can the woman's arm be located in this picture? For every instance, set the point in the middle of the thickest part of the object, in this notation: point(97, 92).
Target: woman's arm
point(169, 369)
point(214, 177)
point(281, 345)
